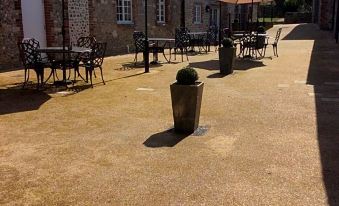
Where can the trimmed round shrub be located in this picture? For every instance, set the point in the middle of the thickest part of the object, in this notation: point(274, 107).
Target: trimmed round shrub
point(227, 43)
point(187, 76)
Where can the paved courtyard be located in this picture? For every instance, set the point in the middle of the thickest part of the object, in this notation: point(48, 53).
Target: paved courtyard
point(269, 133)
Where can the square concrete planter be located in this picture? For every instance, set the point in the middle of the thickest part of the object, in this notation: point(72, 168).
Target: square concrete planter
point(186, 103)
point(226, 59)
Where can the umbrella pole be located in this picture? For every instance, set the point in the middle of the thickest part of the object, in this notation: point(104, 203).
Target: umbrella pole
point(63, 42)
point(146, 53)
point(219, 23)
point(182, 20)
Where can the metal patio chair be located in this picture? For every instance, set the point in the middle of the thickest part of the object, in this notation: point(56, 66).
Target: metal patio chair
point(32, 59)
point(182, 42)
point(96, 60)
point(274, 44)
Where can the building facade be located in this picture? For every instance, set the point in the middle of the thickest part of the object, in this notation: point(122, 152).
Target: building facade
point(111, 21)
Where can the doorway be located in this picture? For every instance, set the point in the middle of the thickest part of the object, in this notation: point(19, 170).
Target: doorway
point(33, 20)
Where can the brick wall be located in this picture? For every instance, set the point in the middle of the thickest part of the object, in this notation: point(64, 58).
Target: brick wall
point(11, 32)
point(53, 21)
point(119, 37)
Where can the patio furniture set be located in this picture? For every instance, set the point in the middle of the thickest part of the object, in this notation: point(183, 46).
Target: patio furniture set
point(254, 44)
point(251, 44)
point(87, 53)
point(183, 42)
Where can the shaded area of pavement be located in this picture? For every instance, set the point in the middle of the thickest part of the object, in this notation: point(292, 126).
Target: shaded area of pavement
point(239, 64)
point(167, 138)
point(14, 100)
point(268, 142)
point(323, 74)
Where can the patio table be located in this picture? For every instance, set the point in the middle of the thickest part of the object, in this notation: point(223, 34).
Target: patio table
point(196, 38)
point(66, 50)
point(157, 40)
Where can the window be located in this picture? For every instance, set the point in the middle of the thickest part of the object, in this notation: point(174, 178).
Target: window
point(197, 14)
point(161, 11)
point(214, 17)
point(124, 11)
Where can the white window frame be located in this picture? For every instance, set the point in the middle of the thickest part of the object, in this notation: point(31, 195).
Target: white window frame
point(161, 15)
point(197, 14)
point(126, 5)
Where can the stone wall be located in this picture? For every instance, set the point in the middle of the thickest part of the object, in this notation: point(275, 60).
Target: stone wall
point(78, 14)
point(119, 37)
point(190, 24)
point(10, 33)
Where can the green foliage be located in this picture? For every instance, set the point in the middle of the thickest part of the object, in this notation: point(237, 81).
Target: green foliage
point(297, 5)
point(187, 76)
point(261, 29)
point(227, 43)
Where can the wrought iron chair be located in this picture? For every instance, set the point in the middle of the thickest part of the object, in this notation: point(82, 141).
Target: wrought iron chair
point(95, 61)
point(80, 59)
point(212, 38)
point(139, 43)
point(182, 42)
point(274, 44)
point(32, 59)
point(252, 45)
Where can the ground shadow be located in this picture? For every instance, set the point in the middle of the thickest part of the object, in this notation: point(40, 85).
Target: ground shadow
point(138, 65)
point(239, 64)
point(324, 75)
point(217, 76)
point(168, 138)
point(14, 100)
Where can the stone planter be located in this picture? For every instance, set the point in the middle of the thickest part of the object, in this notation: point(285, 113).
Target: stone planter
point(186, 103)
point(226, 59)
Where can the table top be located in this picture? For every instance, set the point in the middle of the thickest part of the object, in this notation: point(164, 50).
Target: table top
point(197, 33)
point(241, 35)
point(160, 39)
point(61, 50)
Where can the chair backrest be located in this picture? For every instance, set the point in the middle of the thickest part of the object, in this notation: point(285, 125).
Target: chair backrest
point(139, 41)
point(277, 36)
point(33, 42)
point(98, 53)
point(182, 37)
point(86, 41)
point(260, 42)
point(212, 34)
point(28, 54)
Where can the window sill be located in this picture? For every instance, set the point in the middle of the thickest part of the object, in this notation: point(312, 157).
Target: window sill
point(125, 23)
point(161, 24)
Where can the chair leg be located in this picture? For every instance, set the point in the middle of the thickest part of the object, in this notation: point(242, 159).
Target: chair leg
point(175, 54)
point(90, 76)
point(135, 59)
point(276, 50)
point(186, 51)
point(86, 70)
point(102, 76)
point(26, 78)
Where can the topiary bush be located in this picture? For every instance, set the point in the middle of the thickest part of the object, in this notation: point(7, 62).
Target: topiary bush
point(187, 76)
point(227, 43)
